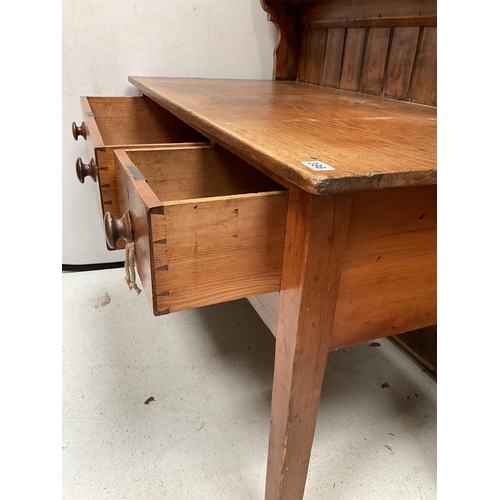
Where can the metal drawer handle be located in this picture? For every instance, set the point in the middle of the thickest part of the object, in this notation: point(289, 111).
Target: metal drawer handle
point(83, 170)
point(117, 229)
point(78, 131)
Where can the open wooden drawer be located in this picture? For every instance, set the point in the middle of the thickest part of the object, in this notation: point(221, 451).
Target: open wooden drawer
point(124, 122)
point(206, 226)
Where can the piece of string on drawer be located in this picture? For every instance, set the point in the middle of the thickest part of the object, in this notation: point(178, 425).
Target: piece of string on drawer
point(130, 267)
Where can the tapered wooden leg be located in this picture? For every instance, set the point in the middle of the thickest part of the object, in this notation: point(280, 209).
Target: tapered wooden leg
point(316, 233)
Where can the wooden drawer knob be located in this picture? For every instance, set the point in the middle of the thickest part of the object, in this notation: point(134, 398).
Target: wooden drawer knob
point(83, 170)
point(117, 229)
point(78, 131)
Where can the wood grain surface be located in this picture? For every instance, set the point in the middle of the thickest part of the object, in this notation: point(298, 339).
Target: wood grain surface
point(286, 19)
point(198, 172)
point(404, 45)
point(128, 122)
point(344, 255)
point(382, 47)
point(136, 196)
point(316, 233)
point(363, 13)
point(383, 60)
point(424, 81)
point(209, 227)
point(372, 142)
point(133, 120)
point(388, 282)
point(267, 306)
point(212, 250)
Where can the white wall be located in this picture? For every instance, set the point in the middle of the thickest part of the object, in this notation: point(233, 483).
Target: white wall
point(105, 41)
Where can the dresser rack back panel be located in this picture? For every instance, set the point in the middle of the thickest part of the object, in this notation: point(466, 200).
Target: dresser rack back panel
point(384, 48)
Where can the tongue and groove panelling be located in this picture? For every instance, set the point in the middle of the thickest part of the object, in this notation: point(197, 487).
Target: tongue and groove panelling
point(395, 62)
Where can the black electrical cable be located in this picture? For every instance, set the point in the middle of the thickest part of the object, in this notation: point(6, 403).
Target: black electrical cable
point(91, 267)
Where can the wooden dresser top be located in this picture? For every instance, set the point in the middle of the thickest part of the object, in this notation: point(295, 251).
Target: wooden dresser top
point(372, 142)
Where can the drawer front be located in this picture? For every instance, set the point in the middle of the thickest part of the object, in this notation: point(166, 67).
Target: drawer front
point(206, 250)
point(111, 123)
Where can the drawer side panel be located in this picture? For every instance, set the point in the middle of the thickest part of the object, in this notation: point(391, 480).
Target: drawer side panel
point(135, 120)
point(214, 250)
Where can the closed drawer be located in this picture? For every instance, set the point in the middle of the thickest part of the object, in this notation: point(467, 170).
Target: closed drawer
point(206, 226)
point(124, 123)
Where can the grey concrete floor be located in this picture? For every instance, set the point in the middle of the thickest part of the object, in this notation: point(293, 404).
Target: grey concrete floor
point(205, 435)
